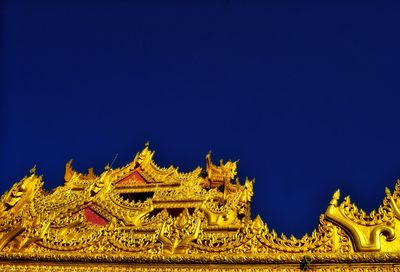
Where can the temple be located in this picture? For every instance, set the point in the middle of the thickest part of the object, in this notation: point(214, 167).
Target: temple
point(142, 217)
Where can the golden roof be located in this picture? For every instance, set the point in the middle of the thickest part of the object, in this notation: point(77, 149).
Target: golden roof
point(142, 212)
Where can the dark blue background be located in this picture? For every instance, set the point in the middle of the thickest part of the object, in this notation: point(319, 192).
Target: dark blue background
point(305, 95)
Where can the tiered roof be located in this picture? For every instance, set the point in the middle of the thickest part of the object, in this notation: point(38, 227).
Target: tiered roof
point(144, 212)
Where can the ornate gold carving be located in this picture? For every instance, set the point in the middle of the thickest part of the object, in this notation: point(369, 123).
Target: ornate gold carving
point(177, 235)
point(365, 230)
point(221, 174)
point(142, 212)
point(178, 268)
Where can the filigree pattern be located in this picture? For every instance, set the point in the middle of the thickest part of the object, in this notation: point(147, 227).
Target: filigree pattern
point(351, 211)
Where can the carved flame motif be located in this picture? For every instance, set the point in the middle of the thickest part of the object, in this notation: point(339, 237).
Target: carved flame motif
point(154, 211)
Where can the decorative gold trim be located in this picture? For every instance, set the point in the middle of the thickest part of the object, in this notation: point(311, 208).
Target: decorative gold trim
point(194, 268)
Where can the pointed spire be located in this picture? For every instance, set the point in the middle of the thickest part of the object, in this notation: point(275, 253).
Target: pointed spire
point(32, 171)
point(69, 172)
point(335, 198)
point(336, 195)
point(258, 223)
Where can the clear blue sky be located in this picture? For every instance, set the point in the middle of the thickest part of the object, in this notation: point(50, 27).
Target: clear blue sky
point(305, 94)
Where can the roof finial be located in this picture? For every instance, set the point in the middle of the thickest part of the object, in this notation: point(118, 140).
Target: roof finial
point(335, 198)
point(387, 191)
point(146, 145)
point(33, 170)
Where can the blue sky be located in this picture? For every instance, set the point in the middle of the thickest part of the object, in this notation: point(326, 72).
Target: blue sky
point(305, 94)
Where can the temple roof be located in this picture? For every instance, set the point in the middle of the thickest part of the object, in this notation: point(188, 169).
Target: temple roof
point(142, 210)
